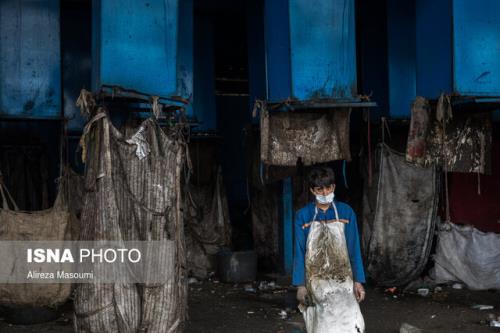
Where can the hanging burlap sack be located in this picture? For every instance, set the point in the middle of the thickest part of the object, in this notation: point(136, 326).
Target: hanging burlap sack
point(46, 225)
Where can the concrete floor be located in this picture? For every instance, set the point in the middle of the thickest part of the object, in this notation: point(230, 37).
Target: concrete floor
point(216, 307)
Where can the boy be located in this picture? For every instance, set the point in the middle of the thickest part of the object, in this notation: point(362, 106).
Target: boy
point(328, 268)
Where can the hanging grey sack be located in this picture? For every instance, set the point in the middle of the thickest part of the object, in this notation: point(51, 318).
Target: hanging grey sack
point(398, 219)
point(132, 192)
point(288, 136)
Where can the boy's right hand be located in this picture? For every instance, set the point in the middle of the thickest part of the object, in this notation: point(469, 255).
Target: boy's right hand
point(301, 294)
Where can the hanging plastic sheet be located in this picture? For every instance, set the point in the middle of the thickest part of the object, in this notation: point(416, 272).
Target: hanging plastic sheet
point(130, 196)
point(288, 136)
point(456, 141)
point(398, 219)
point(468, 255)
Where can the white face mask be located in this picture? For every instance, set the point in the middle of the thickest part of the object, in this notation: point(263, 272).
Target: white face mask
point(325, 199)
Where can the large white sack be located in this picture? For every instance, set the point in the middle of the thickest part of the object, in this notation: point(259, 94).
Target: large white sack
point(468, 255)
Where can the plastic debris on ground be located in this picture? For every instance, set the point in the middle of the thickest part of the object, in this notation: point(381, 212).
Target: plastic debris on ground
point(264, 285)
point(249, 288)
point(283, 314)
point(482, 307)
point(407, 328)
point(495, 323)
point(423, 292)
point(192, 280)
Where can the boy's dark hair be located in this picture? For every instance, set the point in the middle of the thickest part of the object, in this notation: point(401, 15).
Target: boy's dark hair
point(321, 176)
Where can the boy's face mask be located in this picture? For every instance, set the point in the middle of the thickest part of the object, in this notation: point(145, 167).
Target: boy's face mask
point(325, 199)
point(324, 195)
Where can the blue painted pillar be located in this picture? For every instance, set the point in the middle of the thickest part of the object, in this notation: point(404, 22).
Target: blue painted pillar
point(401, 56)
point(256, 54)
point(30, 60)
point(277, 48)
point(204, 74)
point(279, 87)
point(287, 225)
point(433, 50)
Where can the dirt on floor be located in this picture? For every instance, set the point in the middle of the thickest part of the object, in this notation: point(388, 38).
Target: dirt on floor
point(225, 308)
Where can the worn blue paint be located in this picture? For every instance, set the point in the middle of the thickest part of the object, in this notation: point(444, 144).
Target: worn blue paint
point(185, 53)
point(310, 49)
point(401, 56)
point(30, 61)
point(476, 45)
point(464, 56)
point(323, 49)
point(434, 47)
point(135, 45)
point(287, 225)
point(277, 44)
point(204, 74)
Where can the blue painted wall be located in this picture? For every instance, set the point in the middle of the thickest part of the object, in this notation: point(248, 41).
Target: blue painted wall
point(476, 45)
point(401, 56)
point(323, 49)
point(135, 45)
point(30, 62)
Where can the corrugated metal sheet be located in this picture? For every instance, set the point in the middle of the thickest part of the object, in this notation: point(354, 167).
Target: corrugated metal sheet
point(30, 64)
point(135, 45)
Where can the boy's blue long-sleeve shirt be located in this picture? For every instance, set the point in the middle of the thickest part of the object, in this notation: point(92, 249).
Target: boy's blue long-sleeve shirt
point(304, 216)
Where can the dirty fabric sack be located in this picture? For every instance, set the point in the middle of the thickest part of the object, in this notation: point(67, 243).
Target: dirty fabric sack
point(132, 192)
point(288, 136)
point(398, 219)
point(329, 281)
point(208, 228)
point(52, 224)
point(457, 142)
point(468, 255)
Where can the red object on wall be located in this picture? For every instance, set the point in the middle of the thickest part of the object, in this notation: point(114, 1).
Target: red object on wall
point(467, 206)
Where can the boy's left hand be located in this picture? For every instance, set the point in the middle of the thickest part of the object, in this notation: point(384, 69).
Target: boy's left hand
point(359, 292)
